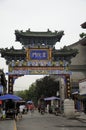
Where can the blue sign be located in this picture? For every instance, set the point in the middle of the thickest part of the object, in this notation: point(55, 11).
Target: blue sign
point(38, 54)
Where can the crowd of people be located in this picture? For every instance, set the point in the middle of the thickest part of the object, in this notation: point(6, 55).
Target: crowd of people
point(12, 109)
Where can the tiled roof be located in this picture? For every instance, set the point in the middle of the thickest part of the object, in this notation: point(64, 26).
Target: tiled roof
point(83, 25)
point(48, 33)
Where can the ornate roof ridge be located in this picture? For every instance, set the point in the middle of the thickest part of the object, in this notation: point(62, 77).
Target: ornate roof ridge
point(47, 33)
point(37, 32)
point(30, 37)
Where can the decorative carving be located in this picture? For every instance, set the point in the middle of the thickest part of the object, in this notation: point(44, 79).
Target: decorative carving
point(49, 37)
point(58, 62)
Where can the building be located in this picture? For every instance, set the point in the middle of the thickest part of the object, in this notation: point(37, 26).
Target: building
point(3, 83)
point(38, 56)
point(78, 63)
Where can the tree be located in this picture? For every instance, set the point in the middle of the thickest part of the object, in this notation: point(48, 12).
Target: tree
point(45, 87)
point(83, 35)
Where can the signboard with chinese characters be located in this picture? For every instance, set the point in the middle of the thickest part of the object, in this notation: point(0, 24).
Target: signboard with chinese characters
point(38, 61)
point(38, 54)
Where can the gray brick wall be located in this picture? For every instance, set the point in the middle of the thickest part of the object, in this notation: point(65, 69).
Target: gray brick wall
point(80, 58)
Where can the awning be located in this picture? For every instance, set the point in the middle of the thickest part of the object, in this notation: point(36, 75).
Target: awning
point(75, 92)
point(29, 102)
point(10, 96)
point(51, 98)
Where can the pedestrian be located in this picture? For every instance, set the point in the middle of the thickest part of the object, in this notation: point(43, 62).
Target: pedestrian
point(3, 114)
point(31, 108)
point(16, 113)
point(21, 107)
point(47, 108)
point(0, 112)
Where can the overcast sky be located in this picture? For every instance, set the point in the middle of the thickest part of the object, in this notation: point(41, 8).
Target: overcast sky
point(39, 15)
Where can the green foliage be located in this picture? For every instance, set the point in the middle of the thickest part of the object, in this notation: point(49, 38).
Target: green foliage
point(23, 94)
point(47, 87)
point(44, 87)
point(82, 35)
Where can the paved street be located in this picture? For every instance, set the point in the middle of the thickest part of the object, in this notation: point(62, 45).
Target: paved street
point(49, 122)
point(7, 124)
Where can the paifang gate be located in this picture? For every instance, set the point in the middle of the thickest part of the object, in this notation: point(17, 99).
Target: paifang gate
point(38, 56)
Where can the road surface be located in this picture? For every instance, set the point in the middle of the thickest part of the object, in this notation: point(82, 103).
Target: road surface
point(36, 121)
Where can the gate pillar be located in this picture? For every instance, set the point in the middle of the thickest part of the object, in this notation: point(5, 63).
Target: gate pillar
point(68, 86)
point(10, 84)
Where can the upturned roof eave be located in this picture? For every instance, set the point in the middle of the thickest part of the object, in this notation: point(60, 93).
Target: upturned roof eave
point(83, 25)
point(20, 34)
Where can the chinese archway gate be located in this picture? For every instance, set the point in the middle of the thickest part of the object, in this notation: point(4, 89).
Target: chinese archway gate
point(38, 56)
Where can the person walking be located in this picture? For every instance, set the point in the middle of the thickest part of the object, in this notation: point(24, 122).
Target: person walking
point(3, 114)
point(31, 108)
point(47, 108)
